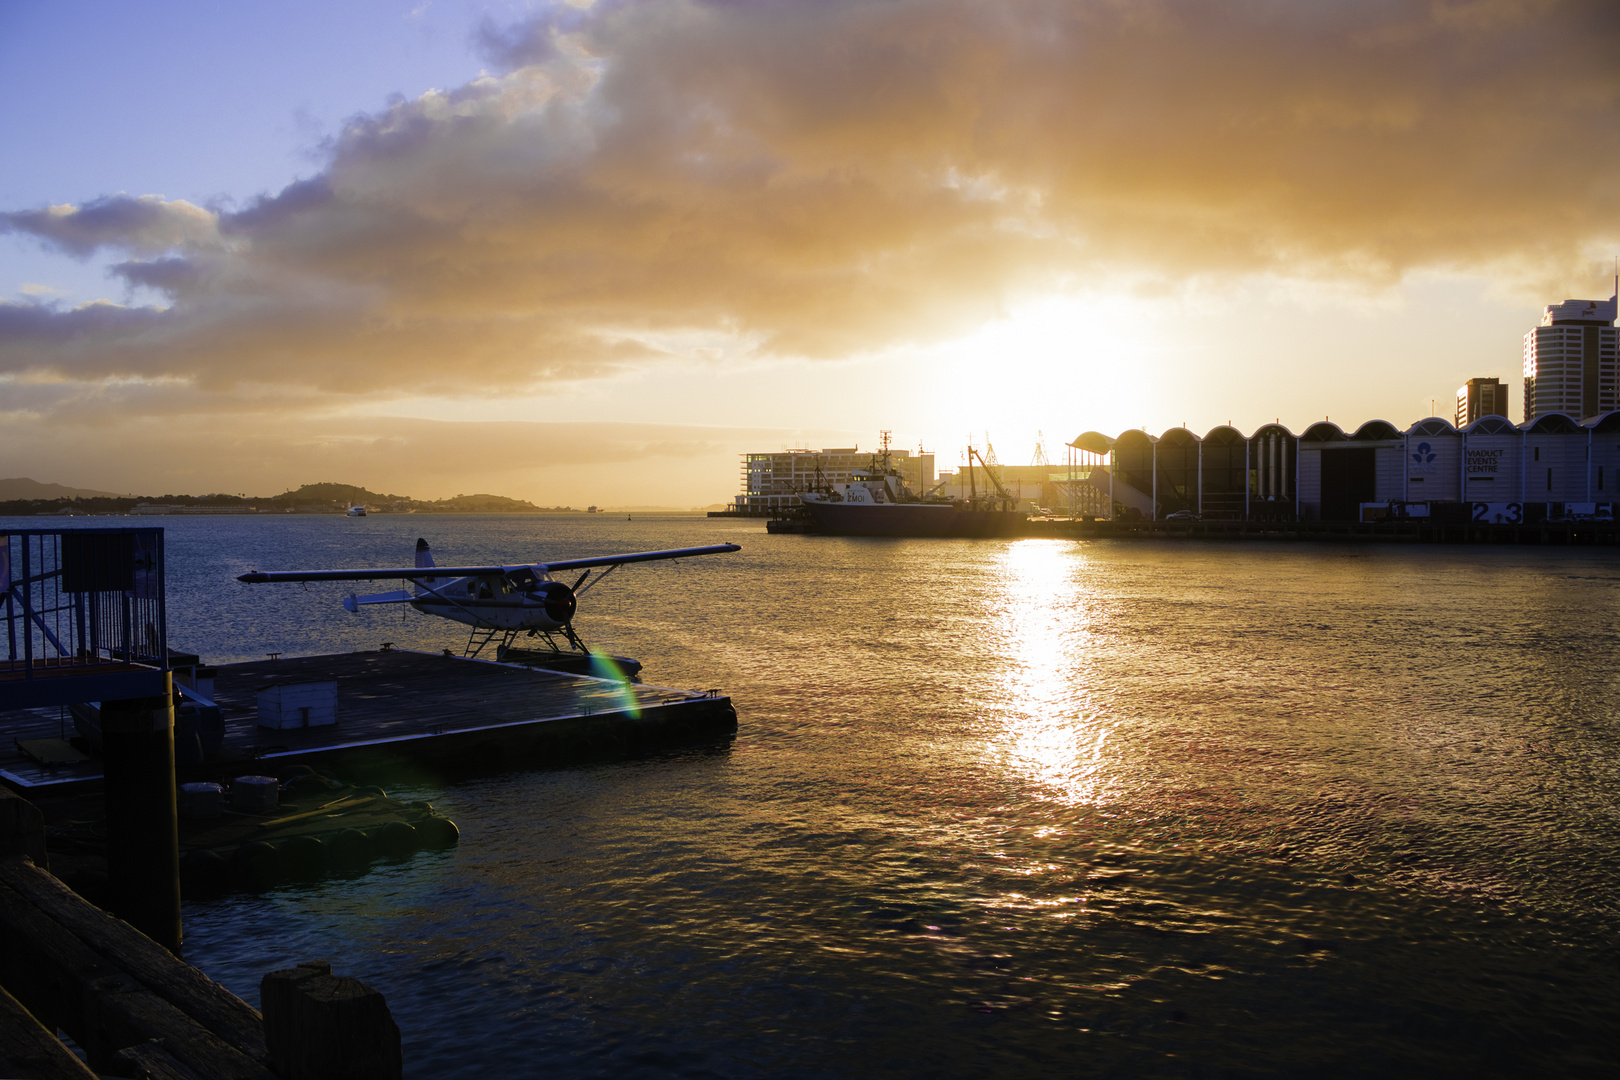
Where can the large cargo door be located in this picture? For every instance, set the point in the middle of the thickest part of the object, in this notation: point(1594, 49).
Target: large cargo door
point(1349, 478)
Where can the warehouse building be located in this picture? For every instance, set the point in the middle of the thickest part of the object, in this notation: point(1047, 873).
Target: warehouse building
point(1489, 470)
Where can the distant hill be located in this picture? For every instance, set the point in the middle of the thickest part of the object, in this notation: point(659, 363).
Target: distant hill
point(481, 504)
point(22, 496)
point(343, 494)
point(20, 487)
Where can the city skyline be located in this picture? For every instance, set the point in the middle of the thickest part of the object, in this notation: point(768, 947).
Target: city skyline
point(573, 253)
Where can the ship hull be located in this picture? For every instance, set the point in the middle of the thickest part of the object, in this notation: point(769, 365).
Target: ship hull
point(911, 519)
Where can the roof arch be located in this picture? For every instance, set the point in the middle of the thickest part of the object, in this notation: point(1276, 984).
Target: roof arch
point(1434, 425)
point(1093, 441)
point(1178, 436)
point(1492, 425)
point(1553, 423)
point(1324, 431)
point(1223, 434)
point(1376, 431)
point(1272, 429)
point(1605, 423)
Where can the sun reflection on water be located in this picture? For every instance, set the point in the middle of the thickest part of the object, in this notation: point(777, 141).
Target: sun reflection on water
point(1054, 729)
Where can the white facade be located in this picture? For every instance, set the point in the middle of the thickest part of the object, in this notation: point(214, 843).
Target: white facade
point(772, 481)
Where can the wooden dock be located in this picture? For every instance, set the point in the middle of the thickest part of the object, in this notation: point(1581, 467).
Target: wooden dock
point(115, 991)
point(410, 717)
point(137, 1010)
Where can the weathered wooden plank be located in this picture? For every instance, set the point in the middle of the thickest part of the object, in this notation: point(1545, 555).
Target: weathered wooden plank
point(120, 1012)
point(149, 1061)
point(233, 1019)
point(29, 1052)
point(43, 964)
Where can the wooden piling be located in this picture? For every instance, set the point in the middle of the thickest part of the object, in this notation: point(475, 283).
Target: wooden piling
point(321, 1026)
point(143, 840)
point(22, 827)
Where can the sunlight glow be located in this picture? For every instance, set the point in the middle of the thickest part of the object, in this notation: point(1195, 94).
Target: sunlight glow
point(1053, 737)
point(1094, 359)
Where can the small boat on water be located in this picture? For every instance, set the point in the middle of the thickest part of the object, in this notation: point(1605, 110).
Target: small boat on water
point(877, 502)
point(357, 511)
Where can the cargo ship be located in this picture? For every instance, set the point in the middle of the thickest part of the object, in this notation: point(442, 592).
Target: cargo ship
point(877, 502)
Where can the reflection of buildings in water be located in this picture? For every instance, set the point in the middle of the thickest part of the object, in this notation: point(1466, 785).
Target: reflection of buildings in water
point(1052, 730)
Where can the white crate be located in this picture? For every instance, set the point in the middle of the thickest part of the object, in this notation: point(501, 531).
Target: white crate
point(290, 705)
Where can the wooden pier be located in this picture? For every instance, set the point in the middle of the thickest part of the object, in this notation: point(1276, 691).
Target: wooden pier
point(407, 716)
point(137, 1010)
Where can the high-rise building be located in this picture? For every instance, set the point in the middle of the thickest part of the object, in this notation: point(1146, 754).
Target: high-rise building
point(1570, 360)
point(1481, 397)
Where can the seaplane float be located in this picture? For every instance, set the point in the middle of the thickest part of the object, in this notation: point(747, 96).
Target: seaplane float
point(497, 602)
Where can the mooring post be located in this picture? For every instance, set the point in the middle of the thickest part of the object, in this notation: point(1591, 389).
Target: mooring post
point(143, 843)
point(22, 828)
point(320, 1026)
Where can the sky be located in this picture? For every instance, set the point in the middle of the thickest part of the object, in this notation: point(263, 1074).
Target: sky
point(594, 252)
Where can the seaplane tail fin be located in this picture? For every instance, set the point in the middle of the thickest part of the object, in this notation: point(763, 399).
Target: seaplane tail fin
point(424, 559)
point(351, 603)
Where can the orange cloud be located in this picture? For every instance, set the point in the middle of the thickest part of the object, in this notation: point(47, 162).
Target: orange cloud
point(826, 179)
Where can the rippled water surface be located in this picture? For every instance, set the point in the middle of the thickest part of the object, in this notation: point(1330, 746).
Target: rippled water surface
point(995, 808)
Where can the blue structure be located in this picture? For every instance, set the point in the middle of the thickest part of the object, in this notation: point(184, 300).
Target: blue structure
point(84, 616)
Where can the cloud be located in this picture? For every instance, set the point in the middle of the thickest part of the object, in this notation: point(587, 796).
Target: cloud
point(835, 178)
point(143, 224)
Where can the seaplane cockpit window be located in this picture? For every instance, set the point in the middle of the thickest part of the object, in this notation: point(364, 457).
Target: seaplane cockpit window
point(485, 592)
point(522, 580)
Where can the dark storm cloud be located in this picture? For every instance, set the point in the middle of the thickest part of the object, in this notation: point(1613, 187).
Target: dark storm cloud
point(831, 178)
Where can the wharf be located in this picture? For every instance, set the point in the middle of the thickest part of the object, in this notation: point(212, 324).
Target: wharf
point(412, 717)
point(1411, 531)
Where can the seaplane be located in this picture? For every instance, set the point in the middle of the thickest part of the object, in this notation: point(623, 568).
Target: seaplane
point(497, 602)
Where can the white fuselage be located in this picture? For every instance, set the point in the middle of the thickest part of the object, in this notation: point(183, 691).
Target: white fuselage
point(496, 602)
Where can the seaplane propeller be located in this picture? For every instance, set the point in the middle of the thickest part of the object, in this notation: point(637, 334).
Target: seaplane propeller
point(496, 601)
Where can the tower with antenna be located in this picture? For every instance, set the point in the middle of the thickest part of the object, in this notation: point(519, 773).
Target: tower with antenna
point(1572, 360)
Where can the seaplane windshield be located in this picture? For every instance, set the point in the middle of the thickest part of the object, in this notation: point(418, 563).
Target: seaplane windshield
point(523, 578)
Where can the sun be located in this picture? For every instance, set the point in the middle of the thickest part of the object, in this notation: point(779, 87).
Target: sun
point(1052, 364)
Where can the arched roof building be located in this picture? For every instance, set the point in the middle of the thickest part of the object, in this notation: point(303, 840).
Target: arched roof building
point(1502, 469)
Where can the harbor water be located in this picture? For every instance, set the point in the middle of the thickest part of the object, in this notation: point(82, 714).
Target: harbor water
point(995, 808)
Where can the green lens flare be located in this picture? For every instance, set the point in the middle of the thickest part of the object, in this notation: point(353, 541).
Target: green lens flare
point(604, 666)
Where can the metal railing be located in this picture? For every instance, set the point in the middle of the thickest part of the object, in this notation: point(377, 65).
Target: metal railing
point(79, 600)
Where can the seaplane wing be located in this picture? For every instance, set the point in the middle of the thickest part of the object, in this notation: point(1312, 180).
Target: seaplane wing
point(415, 573)
point(640, 556)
